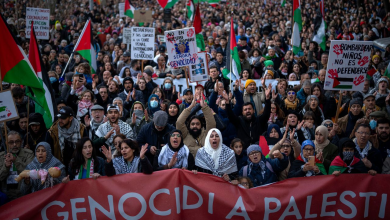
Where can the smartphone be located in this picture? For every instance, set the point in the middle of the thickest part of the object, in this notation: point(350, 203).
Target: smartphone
point(311, 160)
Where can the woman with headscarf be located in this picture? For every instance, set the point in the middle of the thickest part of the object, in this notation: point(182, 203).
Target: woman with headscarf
point(169, 90)
point(138, 117)
point(132, 160)
point(301, 166)
point(174, 154)
point(325, 151)
point(153, 105)
point(272, 137)
point(216, 158)
point(44, 159)
point(85, 164)
point(347, 123)
point(173, 113)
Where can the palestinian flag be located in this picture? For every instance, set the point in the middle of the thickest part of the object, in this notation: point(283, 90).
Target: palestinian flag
point(387, 71)
point(167, 3)
point(198, 31)
point(283, 3)
point(15, 66)
point(320, 27)
point(340, 82)
point(129, 9)
point(190, 10)
point(339, 165)
point(235, 71)
point(319, 164)
point(297, 28)
point(85, 48)
point(48, 109)
point(372, 71)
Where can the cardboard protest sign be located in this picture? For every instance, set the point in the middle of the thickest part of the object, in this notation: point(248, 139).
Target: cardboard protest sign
point(181, 47)
point(142, 43)
point(8, 109)
point(200, 70)
point(126, 35)
point(143, 16)
point(347, 65)
point(121, 7)
point(41, 17)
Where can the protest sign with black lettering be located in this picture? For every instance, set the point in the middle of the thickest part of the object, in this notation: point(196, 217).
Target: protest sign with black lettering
point(347, 65)
point(142, 43)
point(40, 16)
point(126, 35)
point(181, 47)
point(8, 109)
point(121, 8)
point(199, 71)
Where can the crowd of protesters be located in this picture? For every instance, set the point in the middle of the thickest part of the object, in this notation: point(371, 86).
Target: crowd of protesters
point(119, 121)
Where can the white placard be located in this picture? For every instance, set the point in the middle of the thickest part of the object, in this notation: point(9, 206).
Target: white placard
point(347, 65)
point(8, 109)
point(161, 38)
point(41, 17)
point(199, 71)
point(126, 37)
point(121, 8)
point(142, 43)
point(181, 47)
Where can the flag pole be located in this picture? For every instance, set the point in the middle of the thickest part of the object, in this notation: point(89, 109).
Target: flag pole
point(71, 55)
point(231, 23)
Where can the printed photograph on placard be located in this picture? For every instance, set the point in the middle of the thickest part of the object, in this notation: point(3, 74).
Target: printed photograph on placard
point(181, 47)
point(199, 70)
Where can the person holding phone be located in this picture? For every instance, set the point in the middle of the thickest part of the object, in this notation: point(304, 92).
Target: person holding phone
point(306, 164)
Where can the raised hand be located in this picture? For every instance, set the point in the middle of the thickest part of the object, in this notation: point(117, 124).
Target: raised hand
point(133, 95)
point(66, 179)
point(143, 151)
point(133, 119)
point(87, 120)
point(268, 92)
point(277, 154)
point(300, 124)
point(146, 115)
point(292, 133)
point(173, 161)
point(202, 102)
point(107, 153)
point(216, 86)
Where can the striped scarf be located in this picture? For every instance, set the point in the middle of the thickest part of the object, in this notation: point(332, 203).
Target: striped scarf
point(363, 153)
point(90, 163)
point(121, 166)
point(166, 155)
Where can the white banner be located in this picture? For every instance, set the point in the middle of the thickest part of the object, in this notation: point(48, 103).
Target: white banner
point(142, 43)
point(40, 16)
point(121, 7)
point(181, 47)
point(199, 71)
point(126, 35)
point(8, 109)
point(347, 65)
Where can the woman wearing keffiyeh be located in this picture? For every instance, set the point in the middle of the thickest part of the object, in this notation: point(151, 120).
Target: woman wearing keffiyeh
point(216, 158)
point(132, 160)
point(85, 104)
point(174, 154)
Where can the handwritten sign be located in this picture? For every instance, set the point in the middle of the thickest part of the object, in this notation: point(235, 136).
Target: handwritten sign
point(8, 109)
point(126, 35)
point(199, 71)
point(41, 17)
point(142, 43)
point(181, 47)
point(121, 8)
point(347, 65)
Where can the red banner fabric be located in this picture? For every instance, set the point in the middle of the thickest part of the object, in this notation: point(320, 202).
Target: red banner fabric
point(178, 194)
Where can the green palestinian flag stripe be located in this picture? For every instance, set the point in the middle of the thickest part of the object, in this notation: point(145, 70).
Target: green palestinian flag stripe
point(322, 168)
point(337, 168)
point(86, 54)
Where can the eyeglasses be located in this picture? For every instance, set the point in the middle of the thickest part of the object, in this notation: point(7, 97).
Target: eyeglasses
point(363, 133)
point(177, 135)
point(14, 142)
point(308, 150)
point(254, 154)
point(103, 92)
point(328, 125)
point(245, 184)
point(291, 93)
point(286, 146)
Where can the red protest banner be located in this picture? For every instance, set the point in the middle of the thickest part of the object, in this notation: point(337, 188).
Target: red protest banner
point(178, 194)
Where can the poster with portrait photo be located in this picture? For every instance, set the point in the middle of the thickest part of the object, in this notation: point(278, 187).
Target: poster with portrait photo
point(181, 47)
point(199, 71)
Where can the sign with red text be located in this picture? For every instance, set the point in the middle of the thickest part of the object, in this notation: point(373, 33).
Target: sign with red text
point(8, 110)
point(179, 194)
point(41, 17)
point(181, 47)
point(347, 65)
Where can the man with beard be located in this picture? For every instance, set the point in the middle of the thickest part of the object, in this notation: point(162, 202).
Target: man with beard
point(64, 134)
point(155, 134)
point(102, 97)
point(36, 133)
point(255, 98)
point(135, 68)
point(93, 123)
point(112, 127)
point(383, 135)
point(12, 164)
point(193, 132)
point(250, 126)
point(130, 94)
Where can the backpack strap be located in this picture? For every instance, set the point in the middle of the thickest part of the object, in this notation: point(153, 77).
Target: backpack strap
point(245, 171)
point(268, 165)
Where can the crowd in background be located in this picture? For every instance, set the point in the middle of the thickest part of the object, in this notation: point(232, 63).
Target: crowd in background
point(118, 120)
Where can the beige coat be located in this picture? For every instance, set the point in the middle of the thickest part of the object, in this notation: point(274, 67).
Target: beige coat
point(258, 99)
point(24, 157)
point(192, 143)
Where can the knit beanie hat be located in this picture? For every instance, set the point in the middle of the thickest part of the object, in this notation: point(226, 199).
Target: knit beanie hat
point(356, 101)
point(268, 63)
point(310, 97)
point(249, 81)
point(252, 148)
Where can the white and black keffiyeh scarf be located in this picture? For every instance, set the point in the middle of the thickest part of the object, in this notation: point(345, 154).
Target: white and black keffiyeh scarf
point(363, 153)
point(166, 155)
point(72, 134)
point(124, 129)
point(226, 163)
point(122, 167)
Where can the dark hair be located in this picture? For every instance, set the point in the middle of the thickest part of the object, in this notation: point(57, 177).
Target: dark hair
point(78, 158)
point(235, 140)
point(362, 125)
point(380, 121)
point(250, 184)
point(194, 117)
point(132, 144)
point(102, 86)
point(17, 92)
point(322, 96)
point(248, 103)
point(213, 67)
